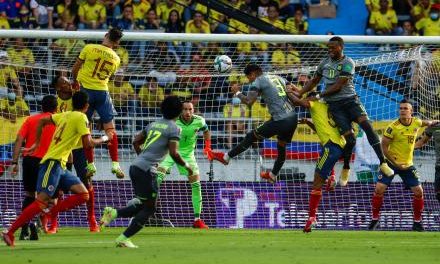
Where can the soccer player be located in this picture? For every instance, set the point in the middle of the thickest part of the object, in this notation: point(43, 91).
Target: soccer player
point(91, 71)
point(433, 132)
point(70, 128)
point(64, 98)
point(283, 123)
point(152, 145)
point(337, 71)
point(398, 146)
point(189, 124)
point(31, 161)
point(332, 145)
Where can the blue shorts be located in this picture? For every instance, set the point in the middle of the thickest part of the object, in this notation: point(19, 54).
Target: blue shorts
point(410, 176)
point(102, 103)
point(330, 154)
point(51, 176)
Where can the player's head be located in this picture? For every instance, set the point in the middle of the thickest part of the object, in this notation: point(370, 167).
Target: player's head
point(171, 107)
point(335, 46)
point(188, 110)
point(383, 4)
point(113, 37)
point(80, 101)
point(49, 104)
point(63, 87)
point(405, 109)
point(252, 71)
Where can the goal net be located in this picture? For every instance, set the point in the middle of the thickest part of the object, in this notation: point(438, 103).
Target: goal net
point(155, 65)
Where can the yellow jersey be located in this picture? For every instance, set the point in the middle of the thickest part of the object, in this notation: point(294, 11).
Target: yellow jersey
point(92, 12)
point(325, 126)
point(139, 9)
point(100, 62)
point(19, 103)
point(375, 4)
point(383, 21)
point(7, 74)
point(4, 23)
point(70, 127)
point(429, 26)
point(235, 111)
point(64, 105)
point(119, 94)
point(276, 23)
point(403, 139)
point(295, 28)
point(163, 11)
point(192, 28)
point(23, 57)
point(150, 98)
point(419, 9)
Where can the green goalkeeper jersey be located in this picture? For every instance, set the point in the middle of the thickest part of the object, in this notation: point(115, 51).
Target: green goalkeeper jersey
point(188, 134)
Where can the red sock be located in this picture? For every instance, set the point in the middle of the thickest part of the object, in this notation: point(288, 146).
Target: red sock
point(376, 203)
point(315, 198)
point(70, 202)
point(113, 148)
point(418, 204)
point(91, 205)
point(28, 213)
point(54, 215)
point(90, 154)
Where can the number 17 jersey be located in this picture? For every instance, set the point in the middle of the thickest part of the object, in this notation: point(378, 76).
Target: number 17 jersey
point(100, 62)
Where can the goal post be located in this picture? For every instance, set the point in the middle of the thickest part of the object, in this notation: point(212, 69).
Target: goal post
point(154, 65)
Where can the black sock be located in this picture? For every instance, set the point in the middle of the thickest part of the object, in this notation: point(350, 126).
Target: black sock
point(373, 139)
point(348, 150)
point(243, 145)
point(139, 220)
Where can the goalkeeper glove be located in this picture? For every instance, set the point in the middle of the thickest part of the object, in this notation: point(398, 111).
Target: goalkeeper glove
point(207, 150)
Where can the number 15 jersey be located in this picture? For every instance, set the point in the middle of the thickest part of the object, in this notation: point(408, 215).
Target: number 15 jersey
point(100, 62)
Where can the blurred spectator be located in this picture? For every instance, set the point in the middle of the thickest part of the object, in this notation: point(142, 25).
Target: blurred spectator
point(403, 8)
point(122, 94)
point(235, 109)
point(237, 27)
point(297, 24)
point(150, 97)
point(254, 51)
point(113, 10)
point(203, 92)
point(25, 19)
point(293, 57)
point(248, 7)
point(273, 17)
point(23, 59)
point(278, 56)
point(92, 15)
point(161, 56)
point(126, 22)
point(150, 21)
point(197, 24)
point(384, 21)
point(43, 12)
point(9, 9)
point(261, 7)
point(164, 9)
point(8, 76)
point(67, 11)
point(421, 10)
point(211, 51)
point(182, 87)
point(430, 26)
point(235, 3)
point(13, 107)
point(175, 25)
point(140, 8)
point(408, 29)
point(259, 113)
point(123, 55)
point(66, 50)
point(216, 20)
point(374, 5)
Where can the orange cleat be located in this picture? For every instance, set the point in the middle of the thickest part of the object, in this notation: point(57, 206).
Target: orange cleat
point(93, 225)
point(268, 176)
point(8, 238)
point(311, 223)
point(200, 224)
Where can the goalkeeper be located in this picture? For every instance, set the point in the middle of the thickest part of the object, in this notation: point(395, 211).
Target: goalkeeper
point(189, 124)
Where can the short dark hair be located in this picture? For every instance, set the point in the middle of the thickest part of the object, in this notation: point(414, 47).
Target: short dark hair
point(337, 39)
point(405, 101)
point(79, 100)
point(250, 68)
point(171, 107)
point(115, 34)
point(49, 104)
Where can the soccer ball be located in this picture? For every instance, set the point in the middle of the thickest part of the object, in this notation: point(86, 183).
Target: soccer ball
point(222, 64)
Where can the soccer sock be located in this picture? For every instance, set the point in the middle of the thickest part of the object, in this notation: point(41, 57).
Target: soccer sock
point(139, 220)
point(315, 198)
point(91, 206)
point(196, 195)
point(348, 150)
point(373, 139)
point(28, 213)
point(376, 204)
point(281, 158)
point(113, 148)
point(70, 202)
point(418, 205)
point(28, 200)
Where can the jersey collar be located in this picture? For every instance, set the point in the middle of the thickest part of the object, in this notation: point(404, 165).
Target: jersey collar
point(184, 122)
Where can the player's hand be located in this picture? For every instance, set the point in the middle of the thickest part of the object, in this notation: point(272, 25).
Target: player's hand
point(14, 170)
point(235, 89)
point(75, 86)
point(31, 149)
point(208, 153)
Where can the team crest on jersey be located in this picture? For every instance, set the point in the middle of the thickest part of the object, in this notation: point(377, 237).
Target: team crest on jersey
point(389, 130)
point(339, 67)
point(51, 188)
point(379, 177)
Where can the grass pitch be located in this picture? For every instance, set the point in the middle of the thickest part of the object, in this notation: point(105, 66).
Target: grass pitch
point(182, 245)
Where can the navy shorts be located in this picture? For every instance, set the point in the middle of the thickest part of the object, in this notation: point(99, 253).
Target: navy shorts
point(410, 176)
point(144, 183)
point(330, 154)
point(51, 177)
point(102, 103)
point(345, 112)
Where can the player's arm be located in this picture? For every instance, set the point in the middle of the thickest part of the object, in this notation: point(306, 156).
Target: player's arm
point(173, 146)
point(421, 141)
point(16, 153)
point(336, 87)
point(139, 139)
point(75, 70)
point(296, 101)
point(207, 139)
point(310, 85)
point(248, 99)
point(429, 123)
point(89, 142)
point(41, 124)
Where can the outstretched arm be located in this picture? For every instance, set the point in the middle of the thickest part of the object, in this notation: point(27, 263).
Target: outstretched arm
point(139, 139)
point(310, 85)
point(421, 141)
